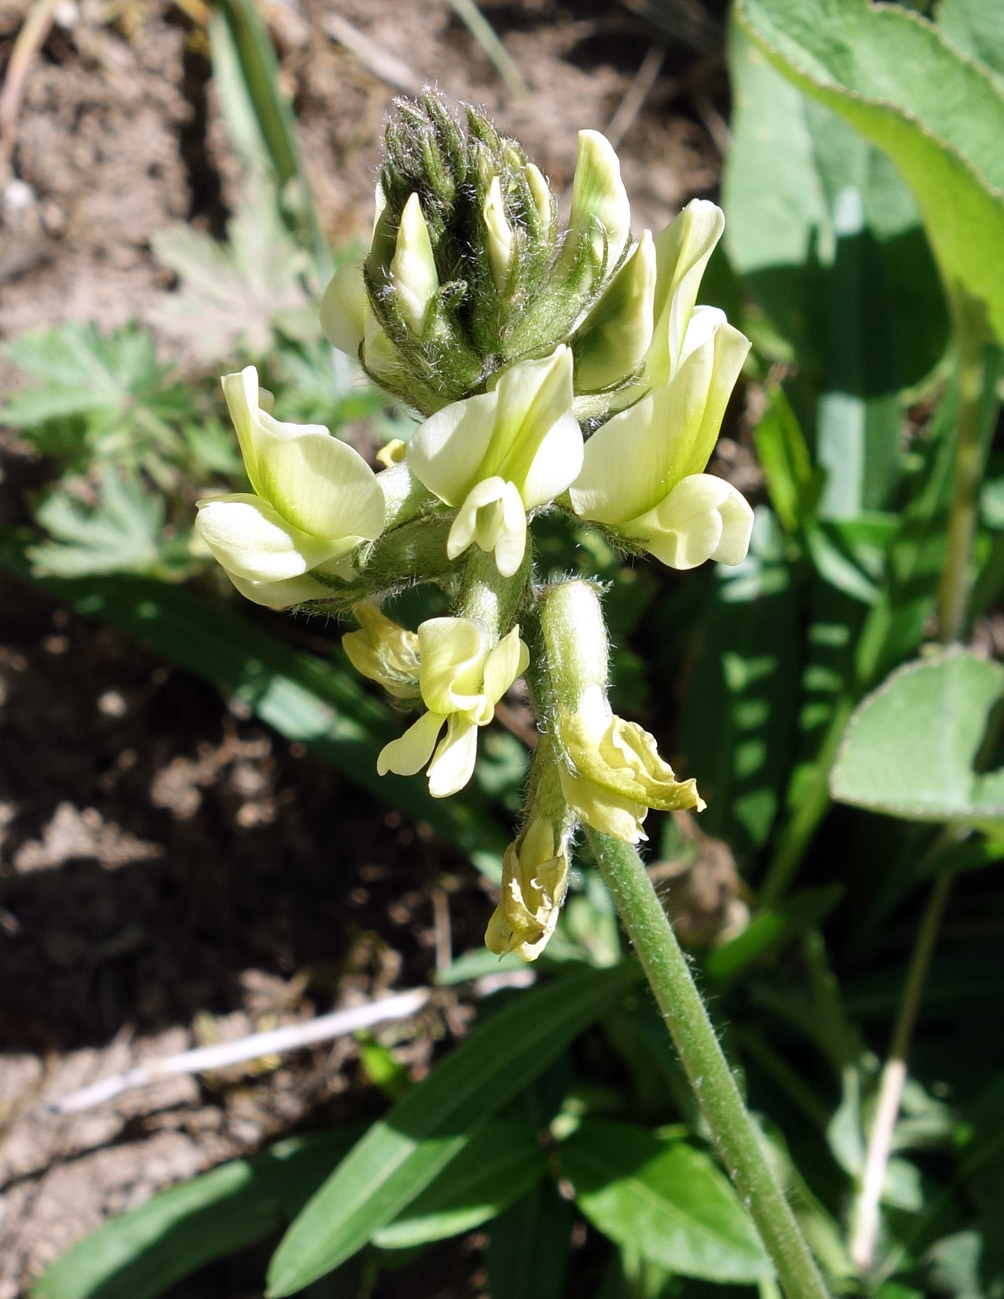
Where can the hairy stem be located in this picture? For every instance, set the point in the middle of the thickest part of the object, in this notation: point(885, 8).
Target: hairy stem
point(735, 1135)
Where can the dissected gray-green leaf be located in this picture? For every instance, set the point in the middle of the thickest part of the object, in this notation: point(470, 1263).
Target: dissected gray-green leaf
point(232, 296)
point(119, 531)
point(663, 1198)
point(912, 746)
point(81, 372)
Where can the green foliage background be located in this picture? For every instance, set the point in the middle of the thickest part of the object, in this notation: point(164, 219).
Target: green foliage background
point(865, 257)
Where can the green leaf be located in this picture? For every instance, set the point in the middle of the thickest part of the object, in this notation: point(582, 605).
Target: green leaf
point(403, 1153)
point(792, 482)
point(663, 1198)
point(120, 532)
point(82, 373)
point(977, 28)
point(969, 1264)
point(232, 296)
point(529, 1247)
point(500, 1163)
point(892, 76)
point(142, 1253)
point(829, 240)
point(738, 715)
point(912, 746)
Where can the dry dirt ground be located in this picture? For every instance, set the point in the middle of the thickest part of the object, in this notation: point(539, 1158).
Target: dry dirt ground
point(171, 872)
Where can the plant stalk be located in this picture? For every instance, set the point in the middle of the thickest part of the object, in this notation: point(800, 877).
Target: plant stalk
point(736, 1137)
point(864, 1232)
point(957, 575)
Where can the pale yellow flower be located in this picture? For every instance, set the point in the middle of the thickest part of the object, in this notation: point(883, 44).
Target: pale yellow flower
point(534, 882)
point(462, 676)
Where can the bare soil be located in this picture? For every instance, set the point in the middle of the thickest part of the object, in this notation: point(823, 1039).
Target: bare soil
point(171, 872)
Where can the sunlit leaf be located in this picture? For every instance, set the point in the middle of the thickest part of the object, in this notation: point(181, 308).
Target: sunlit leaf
point(403, 1153)
point(663, 1198)
point(894, 78)
point(911, 748)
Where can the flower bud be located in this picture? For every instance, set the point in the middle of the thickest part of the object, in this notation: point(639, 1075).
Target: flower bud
point(499, 235)
point(600, 221)
point(413, 267)
point(466, 274)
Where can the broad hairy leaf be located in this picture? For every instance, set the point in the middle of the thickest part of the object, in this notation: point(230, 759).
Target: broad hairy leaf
point(829, 239)
point(404, 1152)
point(977, 28)
point(911, 747)
point(142, 1253)
point(663, 1198)
point(895, 78)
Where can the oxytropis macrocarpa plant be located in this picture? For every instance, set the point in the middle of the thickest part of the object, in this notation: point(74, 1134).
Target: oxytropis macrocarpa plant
point(553, 369)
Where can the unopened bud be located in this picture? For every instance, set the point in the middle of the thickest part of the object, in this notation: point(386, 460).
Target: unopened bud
point(413, 268)
point(499, 235)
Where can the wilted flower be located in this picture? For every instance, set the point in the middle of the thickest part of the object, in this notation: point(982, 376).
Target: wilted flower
point(614, 772)
point(385, 652)
point(313, 501)
point(461, 678)
point(534, 881)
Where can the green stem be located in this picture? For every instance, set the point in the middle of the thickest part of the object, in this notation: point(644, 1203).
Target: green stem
point(488, 598)
point(957, 574)
point(736, 1137)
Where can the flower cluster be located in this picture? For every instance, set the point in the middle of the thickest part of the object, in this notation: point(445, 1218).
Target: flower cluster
point(550, 369)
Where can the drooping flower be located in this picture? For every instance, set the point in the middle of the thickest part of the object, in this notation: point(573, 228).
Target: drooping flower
point(313, 501)
point(384, 652)
point(534, 882)
point(500, 454)
point(614, 773)
point(642, 470)
point(462, 676)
